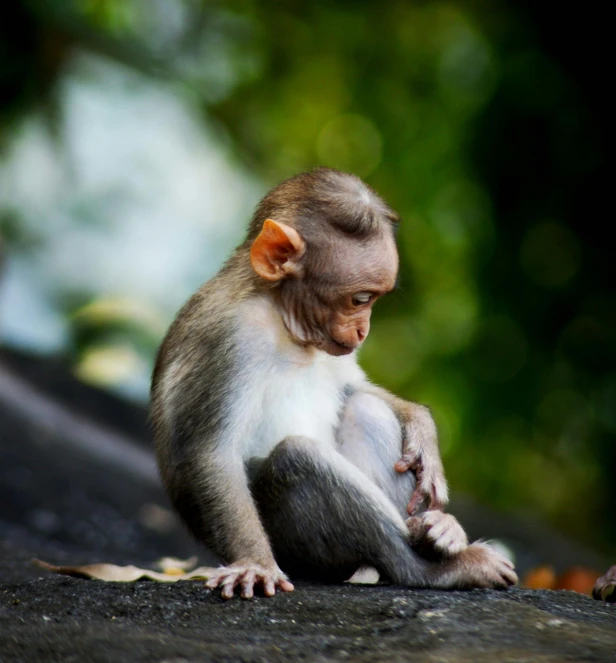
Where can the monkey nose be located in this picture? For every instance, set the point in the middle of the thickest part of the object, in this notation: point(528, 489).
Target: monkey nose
point(362, 331)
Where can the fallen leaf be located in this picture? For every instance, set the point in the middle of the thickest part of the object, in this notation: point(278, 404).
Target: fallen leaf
point(172, 571)
point(167, 563)
point(114, 573)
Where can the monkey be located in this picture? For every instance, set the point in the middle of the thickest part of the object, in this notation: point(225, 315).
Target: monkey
point(602, 586)
point(273, 446)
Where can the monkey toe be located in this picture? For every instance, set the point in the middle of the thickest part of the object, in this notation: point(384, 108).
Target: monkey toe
point(488, 568)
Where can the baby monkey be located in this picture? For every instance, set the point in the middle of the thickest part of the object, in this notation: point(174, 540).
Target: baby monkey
point(275, 449)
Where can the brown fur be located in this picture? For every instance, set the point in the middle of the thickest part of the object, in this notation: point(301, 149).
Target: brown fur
point(327, 244)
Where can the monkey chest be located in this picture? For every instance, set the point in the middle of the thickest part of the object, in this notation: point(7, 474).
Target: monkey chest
point(293, 401)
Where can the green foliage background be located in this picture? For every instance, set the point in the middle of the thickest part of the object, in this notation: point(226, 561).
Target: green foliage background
point(484, 129)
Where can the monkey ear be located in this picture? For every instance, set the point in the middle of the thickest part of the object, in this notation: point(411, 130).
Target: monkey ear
point(276, 251)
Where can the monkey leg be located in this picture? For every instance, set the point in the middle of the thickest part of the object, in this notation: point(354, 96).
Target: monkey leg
point(325, 519)
point(370, 437)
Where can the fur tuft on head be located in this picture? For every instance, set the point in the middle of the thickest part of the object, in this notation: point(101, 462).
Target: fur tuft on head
point(325, 197)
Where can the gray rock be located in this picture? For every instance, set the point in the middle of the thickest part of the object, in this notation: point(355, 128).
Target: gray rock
point(73, 490)
point(67, 619)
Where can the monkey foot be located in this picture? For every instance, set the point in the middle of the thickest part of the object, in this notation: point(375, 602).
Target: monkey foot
point(246, 576)
point(605, 589)
point(486, 568)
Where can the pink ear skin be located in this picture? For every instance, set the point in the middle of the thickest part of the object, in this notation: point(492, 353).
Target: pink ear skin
point(276, 251)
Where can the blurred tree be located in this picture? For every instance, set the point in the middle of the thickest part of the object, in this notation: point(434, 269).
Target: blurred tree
point(486, 130)
point(540, 147)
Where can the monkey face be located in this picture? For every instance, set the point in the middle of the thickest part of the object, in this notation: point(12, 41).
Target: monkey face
point(329, 275)
point(329, 305)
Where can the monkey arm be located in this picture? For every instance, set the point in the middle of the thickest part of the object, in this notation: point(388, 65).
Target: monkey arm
point(232, 516)
point(370, 437)
point(237, 532)
point(420, 451)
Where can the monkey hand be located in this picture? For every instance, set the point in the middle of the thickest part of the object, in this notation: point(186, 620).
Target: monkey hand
point(422, 456)
point(441, 532)
point(246, 575)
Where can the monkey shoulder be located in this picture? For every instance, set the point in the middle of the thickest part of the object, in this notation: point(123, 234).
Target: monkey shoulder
point(197, 359)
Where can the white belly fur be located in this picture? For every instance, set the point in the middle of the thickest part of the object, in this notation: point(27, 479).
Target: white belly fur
point(286, 389)
point(294, 401)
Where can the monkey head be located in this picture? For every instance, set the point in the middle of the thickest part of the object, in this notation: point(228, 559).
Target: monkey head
point(326, 282)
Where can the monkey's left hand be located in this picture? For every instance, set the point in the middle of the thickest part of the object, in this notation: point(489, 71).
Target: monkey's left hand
point(421, 455)
point(439, 531)
point(246, 575)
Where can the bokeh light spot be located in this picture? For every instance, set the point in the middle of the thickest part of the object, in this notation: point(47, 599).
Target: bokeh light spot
point(109, 365)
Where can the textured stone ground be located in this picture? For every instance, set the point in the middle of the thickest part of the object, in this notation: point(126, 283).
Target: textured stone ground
point(66, 619)
point(77, 485)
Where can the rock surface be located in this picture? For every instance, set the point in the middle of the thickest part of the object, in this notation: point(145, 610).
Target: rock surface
point(67, 619)
point(77, 485)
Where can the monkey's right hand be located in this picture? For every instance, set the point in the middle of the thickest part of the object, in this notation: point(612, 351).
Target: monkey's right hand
point(246, 575)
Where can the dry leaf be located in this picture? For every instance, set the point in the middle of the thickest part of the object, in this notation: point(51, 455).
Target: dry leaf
point(165, 564)
point(114, 573)
point(172, 571)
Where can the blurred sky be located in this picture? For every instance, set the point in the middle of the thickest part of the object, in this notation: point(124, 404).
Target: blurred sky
point(139, 203)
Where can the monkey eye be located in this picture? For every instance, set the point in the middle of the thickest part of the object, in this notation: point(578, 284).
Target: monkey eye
point(361, 298)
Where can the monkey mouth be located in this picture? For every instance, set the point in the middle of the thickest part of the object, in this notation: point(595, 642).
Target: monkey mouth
point(333, 347)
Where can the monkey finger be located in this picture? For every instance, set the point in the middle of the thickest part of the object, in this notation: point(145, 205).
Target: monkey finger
point(417, 529)
point(269, 588)
point(248, 583)
point(228, 586)
point(285, 585)
point(410, 460)
point(215, 581)
point(401, 466)
point(435, 503)
point(417, 499)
